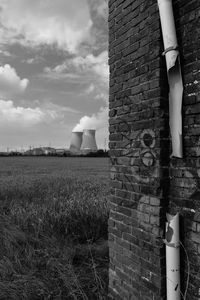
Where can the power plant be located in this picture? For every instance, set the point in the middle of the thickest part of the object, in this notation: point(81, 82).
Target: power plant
point(89, 141)
point(82, 142)
point(76, 141)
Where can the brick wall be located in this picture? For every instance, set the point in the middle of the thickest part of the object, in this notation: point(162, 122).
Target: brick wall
point(145, 182)
point(184, 192)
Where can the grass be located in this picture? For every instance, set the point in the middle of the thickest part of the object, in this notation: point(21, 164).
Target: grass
point(53, 228)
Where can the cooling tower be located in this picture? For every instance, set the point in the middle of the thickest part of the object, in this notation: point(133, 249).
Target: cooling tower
point(89, 141)
point(76, 141)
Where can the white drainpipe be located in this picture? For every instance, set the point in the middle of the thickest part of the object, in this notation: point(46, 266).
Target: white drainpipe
point(172, 257)
point(174, 75)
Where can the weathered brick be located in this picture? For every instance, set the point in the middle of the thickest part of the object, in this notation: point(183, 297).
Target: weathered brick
point(146, 182)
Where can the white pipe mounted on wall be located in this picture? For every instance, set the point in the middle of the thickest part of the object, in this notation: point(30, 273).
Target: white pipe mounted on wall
point(174, 75)
point(173, 257)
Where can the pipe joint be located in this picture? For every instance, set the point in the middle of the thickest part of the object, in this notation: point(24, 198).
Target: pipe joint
point(170, 49)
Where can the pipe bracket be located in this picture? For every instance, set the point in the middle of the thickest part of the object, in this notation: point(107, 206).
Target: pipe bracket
point(169, 49)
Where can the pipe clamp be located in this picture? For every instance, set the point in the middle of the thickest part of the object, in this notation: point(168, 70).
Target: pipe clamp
point(169, 49)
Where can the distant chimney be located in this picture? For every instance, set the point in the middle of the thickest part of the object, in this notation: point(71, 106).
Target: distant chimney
point(89, 141)
point(76, 141)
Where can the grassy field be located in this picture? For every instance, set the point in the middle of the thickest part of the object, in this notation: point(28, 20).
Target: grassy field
point(53, 228)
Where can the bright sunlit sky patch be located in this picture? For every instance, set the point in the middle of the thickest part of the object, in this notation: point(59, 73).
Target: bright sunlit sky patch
point(53, 71)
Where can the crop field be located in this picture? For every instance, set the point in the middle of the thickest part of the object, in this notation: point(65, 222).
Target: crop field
point(53, 228)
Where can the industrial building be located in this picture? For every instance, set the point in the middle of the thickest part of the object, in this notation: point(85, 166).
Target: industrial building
point(83, 142)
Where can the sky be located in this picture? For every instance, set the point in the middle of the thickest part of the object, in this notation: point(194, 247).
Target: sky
point(53, 71)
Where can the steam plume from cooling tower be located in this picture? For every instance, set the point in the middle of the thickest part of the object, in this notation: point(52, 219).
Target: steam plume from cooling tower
point(89, 141)
point(76, 141)
point(96, 121)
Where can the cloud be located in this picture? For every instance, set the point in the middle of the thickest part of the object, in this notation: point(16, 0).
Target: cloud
point(87, 66)
point(99, 16)
point(90, 89)
point(58, 73)
point(99, 8)
point(63, 23)
point(96, 121)
point(10, 82)
point(102, 10)
point(12, 116)
point(58, 111)
point(5, 53)
point(34, 60)
point(97, 92)
point(102, 96)
point(90, 74)
point(96, 64)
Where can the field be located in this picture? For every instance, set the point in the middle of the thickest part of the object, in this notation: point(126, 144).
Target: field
point(53, 228)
